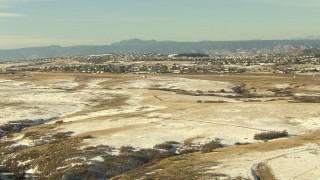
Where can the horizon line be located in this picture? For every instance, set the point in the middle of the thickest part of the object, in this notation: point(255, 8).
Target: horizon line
point(138, 39)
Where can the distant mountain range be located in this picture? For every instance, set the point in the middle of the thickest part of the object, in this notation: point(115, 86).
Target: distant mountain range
point(165, 47)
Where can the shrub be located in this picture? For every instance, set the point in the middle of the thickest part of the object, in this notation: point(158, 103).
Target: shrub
point(4, 144)
point(264, 171)
point(62, 135)
point(16, 149)
point(165, 146)
point(187, 151)
point(306, 99)
point(18, 172)
point(59, 122)
point(2, 133)
point(270, 135)
point(172, 142)
point(282, 92)
point(240, 89)
point(148, 154)
point(125, 150)
point(239, 143)
point(214, 144)
point(87, 137)
point(29, 134)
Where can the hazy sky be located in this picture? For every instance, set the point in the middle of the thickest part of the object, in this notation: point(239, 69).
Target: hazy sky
point(25, 23)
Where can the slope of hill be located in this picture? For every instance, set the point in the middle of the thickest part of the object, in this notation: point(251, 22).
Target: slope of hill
point(166, 47)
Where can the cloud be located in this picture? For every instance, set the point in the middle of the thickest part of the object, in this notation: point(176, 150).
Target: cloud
point(9, 42)
point(289, 3)
point(14, 2)
point(5, 4)
point(6, 15)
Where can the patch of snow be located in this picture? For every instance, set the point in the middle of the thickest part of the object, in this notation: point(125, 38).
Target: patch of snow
point(69, 165)
point(282, 85)
point(18, 137)
point(33, 170)
point(94, 84)
point(152, 172)
point(34, 102)
point(177, 83)
point(25, 162)
point(294, 163)
point(112, 112)
point(23, 142)
point(98, 158)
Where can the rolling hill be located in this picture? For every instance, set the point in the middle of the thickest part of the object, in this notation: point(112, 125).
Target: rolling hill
point(165, 47)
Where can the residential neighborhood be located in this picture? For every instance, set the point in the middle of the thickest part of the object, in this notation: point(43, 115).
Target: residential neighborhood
point(155, 63)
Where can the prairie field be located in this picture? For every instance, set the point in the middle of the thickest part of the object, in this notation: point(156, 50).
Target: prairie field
point(77, 121)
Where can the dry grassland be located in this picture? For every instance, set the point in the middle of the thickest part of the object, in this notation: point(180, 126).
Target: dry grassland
point(95, 115)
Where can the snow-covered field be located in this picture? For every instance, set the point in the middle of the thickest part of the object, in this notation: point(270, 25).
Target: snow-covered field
point(144, 111)
point(25, 100)
point(153, 116)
